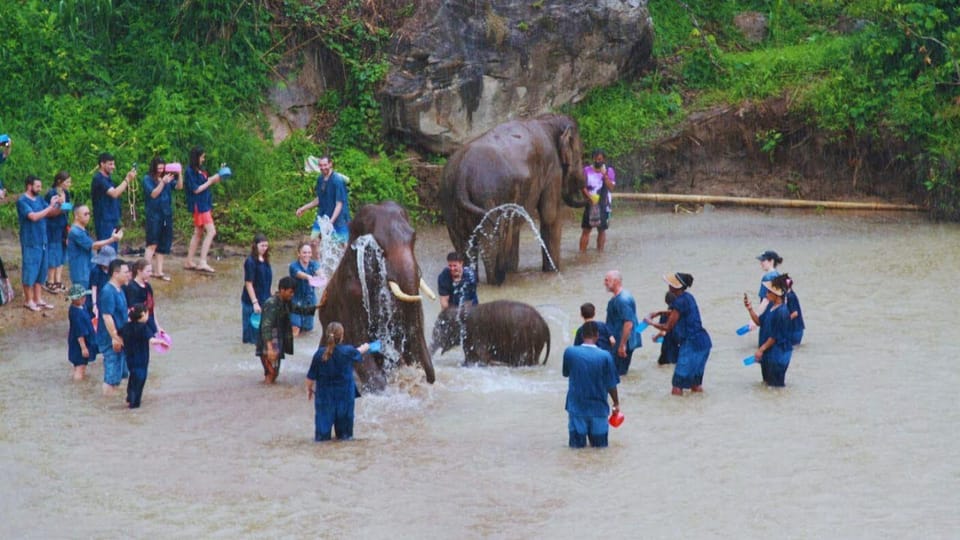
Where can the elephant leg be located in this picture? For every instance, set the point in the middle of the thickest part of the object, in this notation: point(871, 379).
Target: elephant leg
point(550, 231)
point(513, 250)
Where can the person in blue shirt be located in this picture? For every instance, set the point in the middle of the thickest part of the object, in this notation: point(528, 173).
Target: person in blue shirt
point(776, 333)
point(81, 346)
point(331, 200)
point(591, 375)
point(331, 386)
point(57, 232)
point(695, 344)
point(304, 296)
point(80, 246)
point(158, 186)
point(112, 305)
point(669, 347)
point(257, 280)
point(796, 312)
point(198, 186)
point(605, 340)
point(137, 337)
point(32, 212)
point(106, 196)
point(622, 321)
point(457, 284)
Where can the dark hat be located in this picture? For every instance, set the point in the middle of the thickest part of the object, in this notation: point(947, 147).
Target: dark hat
point(768, 256)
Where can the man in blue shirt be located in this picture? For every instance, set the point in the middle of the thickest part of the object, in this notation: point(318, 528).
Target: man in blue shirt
point(106, 196)
point(32, 211)
point(5, 145)
point(80, 246)
point(457, 284)
point(621, 320)
point(591, 376)
point(112, 303)
point(330, 200)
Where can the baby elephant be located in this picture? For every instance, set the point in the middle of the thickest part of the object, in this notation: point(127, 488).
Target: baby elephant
point(500, 332)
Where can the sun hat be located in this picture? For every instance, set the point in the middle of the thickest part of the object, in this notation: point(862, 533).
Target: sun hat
point(77, 291)
point(674, 281)
point(104, 256)
point(773, 288)
point(768, 255)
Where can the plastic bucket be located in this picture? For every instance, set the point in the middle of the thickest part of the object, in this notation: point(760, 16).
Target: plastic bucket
point(165, 342)
point(616, 418)
point(255, 320)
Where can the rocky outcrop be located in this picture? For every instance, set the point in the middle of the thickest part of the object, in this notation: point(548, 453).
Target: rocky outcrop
point(460, 67)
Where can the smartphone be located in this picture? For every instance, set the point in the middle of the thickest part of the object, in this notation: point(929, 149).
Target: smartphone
point(133, 166)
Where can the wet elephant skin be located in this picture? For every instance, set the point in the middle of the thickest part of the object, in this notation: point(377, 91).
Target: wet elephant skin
point(501, 332)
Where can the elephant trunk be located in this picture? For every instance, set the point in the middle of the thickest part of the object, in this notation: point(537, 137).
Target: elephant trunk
point(570, 200)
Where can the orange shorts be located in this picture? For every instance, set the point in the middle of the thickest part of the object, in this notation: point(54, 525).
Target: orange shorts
point(202, 218)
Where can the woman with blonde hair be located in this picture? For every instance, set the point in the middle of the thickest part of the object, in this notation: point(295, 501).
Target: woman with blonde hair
point(330, 384)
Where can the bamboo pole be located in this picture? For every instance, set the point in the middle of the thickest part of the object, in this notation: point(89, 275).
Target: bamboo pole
point(755, 201)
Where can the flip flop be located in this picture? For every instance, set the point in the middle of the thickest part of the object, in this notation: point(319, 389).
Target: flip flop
point(162, 277)
point(43, 305)
point(189, 266)
point(31, 306)
point(206, 269)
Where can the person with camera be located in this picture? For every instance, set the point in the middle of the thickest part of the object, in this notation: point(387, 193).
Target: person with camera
point(158, 186)
point(199, 184)
point(32, 211)
point(106, 196)
point(601, 180)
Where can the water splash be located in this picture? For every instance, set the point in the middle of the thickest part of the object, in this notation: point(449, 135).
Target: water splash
point(329, 250)
point(382, 319)
point(489, 230)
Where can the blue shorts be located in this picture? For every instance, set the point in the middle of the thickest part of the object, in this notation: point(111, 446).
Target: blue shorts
point(34, 266)
point(303, 322)
point(159, 232)
point(114, 365)
point(582, 427)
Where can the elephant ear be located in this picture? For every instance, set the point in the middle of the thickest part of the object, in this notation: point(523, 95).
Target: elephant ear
point(566, 148)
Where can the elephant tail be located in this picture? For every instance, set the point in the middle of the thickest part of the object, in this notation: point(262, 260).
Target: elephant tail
point(469, 206)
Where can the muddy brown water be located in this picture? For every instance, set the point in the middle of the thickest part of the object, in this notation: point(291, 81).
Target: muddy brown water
point(861, 444)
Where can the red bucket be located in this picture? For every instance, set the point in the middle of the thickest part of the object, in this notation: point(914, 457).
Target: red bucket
point(616, 418)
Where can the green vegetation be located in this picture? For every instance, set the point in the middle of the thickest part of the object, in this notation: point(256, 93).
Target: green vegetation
point(860, 70)
point(140, 79)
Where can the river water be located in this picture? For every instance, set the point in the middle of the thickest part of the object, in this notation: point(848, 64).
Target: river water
point(861, 443)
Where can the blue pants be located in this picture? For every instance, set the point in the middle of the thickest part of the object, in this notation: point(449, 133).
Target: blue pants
point(333, 408)
point(623, 364)
point(249, 333)
point(582, 428)
point(138, 378)
point(691, 363)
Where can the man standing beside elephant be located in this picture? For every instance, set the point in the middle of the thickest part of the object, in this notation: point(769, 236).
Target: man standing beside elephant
point(591, 376)
point(457, 284)
point(601, 180)
point(276, 333)
point(330, 200)
point(622, 320)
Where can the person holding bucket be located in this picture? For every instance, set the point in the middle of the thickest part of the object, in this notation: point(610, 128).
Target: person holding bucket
point(695, 343)
point(257, 280)
point(591, 375)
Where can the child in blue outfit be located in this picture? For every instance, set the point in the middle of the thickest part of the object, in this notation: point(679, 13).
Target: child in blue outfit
point(330, 384)
point(605, 341)
point(81, 342)
point(137, 338)
point(776, 329)
point(669, 346)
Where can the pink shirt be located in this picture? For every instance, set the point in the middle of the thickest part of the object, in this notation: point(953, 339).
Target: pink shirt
point(595, 180)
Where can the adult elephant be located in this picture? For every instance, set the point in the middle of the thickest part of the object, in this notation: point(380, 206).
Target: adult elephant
point(374, 293)
point(536, 164)
point(499, 332)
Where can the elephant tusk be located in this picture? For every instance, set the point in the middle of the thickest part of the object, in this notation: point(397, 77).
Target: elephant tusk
point(426, 290)
point(402, 296)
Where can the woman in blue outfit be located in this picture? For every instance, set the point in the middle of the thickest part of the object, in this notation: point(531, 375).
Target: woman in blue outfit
point(57, 224)
point(304, 296)
point(684, 322)
point(796, 313)
point(330, 384)
point(158, 186)
point(257, 280)
point(776, 328)
point(139, 291)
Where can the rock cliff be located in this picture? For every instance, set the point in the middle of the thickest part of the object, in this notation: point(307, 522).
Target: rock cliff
point(460, 67)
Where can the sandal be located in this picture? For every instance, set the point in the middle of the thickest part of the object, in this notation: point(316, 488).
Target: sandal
point(43, 305)
point(51, 287)
point(189, 266)
point(162, 277)
point(31, 306)
point(206, 269)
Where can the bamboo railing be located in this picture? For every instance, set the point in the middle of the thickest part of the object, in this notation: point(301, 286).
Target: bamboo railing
point(755, 201)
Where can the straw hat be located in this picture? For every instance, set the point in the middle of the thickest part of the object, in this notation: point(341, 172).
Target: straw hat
point(674, 281)
point(773, 288)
